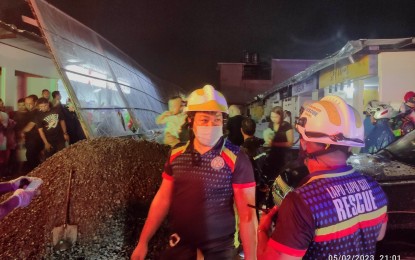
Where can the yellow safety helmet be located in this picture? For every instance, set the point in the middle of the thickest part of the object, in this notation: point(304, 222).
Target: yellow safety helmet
point(206, 99)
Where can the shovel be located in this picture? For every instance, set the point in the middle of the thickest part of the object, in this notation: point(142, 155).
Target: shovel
point(63, 237)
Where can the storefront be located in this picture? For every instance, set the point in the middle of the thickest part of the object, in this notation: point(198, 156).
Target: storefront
point(301, 92)
point(356, 81)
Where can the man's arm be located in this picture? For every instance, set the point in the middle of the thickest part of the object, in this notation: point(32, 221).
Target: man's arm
point(7, 206)
point(247, 220)
point(45, 141)
point(6, 187)
point(160, 118)
point(64, 130)
point(382, 231)
point(293, 232)
point(158, 211)
point(20, 198)
point(28, 127)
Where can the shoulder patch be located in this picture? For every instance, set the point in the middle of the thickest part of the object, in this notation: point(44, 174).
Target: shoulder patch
point(177, 151)
point(229, 153)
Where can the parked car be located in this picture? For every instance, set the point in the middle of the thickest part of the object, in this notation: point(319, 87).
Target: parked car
point(394, 169)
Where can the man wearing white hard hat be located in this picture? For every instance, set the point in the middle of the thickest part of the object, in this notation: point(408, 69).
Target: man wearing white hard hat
point(202, 181)
point(335, 211)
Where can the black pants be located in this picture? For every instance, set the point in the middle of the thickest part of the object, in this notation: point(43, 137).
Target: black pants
point(218, 249)
point(56, 147)
point(33, 149)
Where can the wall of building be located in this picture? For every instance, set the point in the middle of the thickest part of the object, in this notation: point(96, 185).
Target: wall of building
point(370, 94)
point(283, 69)
point(230, 74)
point(396, 75)
point(36, 85)
point(12, 60)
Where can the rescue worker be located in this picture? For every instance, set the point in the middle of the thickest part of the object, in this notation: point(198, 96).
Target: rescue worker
point(202, 180)
point(335, 211)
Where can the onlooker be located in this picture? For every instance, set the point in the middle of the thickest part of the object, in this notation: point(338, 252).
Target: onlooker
point(30, 134)
point(335, 210)
point(20, 116)
point(51, 127)
point(287, 117)
point(32, 105)
point(174, 118)
point(252, 146)
point(251, 143)
point(4, 151)
point(18, 155)
point(21, 196)
point(233, 126)
point(282, 139)
point(46, 94)
point(407, 113)
point(73, 125)
point(408, 106)
point(56, 99)
point(202, 180)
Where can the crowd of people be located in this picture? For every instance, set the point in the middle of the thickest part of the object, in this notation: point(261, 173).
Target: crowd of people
point(214, 192)
point(39, 128)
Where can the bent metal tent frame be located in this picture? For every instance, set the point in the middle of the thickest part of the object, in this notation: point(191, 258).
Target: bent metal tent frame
point(351, 51)
point(109, 90)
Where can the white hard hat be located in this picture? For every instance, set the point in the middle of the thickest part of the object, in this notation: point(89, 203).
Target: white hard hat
point(206, 99)
point(371, 106)
point(331, 121)
point(383, 111)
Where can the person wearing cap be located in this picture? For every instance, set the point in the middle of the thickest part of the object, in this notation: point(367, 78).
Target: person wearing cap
point(407, 108)
point(335, 211)
point(202, 181)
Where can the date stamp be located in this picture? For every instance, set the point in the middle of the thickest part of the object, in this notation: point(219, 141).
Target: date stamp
point(351, 257)
point(364, 257)
point(389, 257)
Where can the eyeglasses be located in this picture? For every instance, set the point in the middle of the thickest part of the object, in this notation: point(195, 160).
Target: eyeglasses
point(335, 138)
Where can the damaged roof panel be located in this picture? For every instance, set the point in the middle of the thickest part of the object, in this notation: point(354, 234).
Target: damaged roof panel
point(109, 89)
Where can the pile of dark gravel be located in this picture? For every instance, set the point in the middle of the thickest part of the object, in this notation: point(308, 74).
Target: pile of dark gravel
point(114, 181)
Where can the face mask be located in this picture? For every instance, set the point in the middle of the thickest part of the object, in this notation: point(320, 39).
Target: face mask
point(208, 135)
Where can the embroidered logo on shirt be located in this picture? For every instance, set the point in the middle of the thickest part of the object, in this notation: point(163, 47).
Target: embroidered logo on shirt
point(217, 163)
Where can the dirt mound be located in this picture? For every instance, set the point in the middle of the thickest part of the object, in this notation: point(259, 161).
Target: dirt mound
point(114, 181)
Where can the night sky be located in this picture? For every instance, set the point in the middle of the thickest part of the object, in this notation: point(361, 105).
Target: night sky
point(181, 41)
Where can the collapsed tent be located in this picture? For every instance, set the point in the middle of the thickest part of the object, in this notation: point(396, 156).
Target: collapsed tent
point(113, 95)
